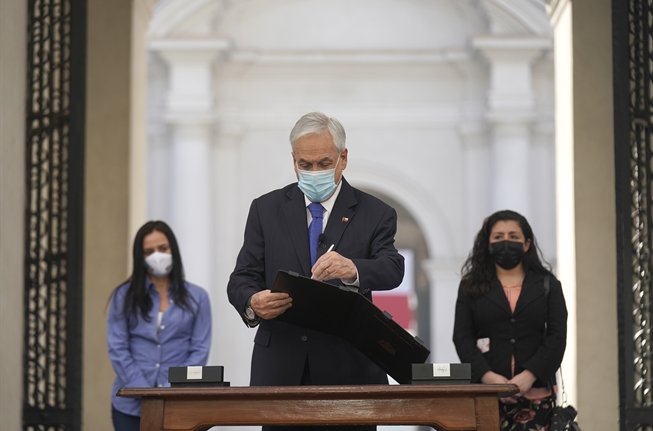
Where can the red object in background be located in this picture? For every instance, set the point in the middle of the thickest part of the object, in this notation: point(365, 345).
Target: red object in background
point(397, 306)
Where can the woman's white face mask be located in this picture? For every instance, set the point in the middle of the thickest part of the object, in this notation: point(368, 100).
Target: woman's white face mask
point(159, 264)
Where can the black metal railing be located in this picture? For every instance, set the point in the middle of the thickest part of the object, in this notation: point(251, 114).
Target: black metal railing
point(54, 214)
point(633, 112)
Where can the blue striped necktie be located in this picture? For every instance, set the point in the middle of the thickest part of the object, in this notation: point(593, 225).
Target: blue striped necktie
point(315, 229)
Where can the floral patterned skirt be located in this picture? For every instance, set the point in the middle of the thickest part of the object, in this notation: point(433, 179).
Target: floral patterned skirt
point(526, 415)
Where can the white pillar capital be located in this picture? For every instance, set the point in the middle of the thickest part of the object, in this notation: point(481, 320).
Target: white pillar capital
point(511, 95)
point(196, 51)
point(190, 63)
point(515, 49)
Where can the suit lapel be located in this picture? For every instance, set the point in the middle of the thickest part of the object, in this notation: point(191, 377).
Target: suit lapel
point(295, 214)
point(340, 217)
point(529, 291)
point(498, 296)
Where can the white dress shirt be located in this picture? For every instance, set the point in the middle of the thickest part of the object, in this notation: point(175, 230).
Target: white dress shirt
point(328, 209)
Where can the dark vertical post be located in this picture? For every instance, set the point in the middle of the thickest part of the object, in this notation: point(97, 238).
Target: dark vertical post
point(55, 117)
point(620, 46)
point(633, 115)
point(76, 204)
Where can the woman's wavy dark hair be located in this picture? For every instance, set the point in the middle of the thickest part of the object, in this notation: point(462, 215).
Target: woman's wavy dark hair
point(137, 301)
point(479, 271)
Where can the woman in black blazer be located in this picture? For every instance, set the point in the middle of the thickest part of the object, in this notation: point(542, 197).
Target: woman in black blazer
point(511, 319)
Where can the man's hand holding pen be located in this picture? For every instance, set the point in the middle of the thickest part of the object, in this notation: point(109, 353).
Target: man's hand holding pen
point(332, 265)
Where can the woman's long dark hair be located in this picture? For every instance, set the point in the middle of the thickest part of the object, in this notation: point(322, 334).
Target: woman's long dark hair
point(479, 271)
point(137, 299)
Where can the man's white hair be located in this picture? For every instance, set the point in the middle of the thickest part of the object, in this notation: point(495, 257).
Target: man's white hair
point(315, 123)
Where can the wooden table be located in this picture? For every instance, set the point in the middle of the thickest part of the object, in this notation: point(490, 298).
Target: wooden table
point(445, 408)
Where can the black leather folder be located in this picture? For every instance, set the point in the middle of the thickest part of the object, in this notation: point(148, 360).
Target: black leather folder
point(340, 311)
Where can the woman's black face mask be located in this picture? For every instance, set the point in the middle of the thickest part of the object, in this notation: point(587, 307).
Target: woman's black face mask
point(507, 254)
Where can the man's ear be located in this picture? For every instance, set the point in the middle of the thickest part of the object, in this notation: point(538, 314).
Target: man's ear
point(294, 164)
point(343, 156)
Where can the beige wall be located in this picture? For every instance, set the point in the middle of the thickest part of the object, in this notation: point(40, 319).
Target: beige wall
point(586, 205)
point(107, 193)
point(13, 46)
point(115, 178)
point(107, 215)
point(596, 272)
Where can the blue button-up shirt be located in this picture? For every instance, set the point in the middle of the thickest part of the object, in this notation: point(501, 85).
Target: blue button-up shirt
point(141, 352)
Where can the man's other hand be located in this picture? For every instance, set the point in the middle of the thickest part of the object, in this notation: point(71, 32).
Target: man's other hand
point(268, 305)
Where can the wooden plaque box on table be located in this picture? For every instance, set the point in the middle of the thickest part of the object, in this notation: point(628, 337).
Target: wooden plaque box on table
point(443, 407)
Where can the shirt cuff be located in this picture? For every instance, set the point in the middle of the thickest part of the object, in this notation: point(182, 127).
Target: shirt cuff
point(355, 283)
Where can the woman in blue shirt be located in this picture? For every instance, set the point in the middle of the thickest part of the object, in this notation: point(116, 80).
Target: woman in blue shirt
point(156, 320)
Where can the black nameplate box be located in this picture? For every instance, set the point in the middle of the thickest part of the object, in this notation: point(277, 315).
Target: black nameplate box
point(441, 374)
point(196, 377)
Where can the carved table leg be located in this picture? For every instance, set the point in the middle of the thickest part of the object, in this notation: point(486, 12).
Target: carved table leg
point(487, 413)
point(152, 414)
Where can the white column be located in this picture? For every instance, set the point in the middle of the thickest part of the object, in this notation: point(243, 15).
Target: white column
point(141, 15)
point(158, 141)
point(511, 112)
point(230, 215)
point(473, 131)
point(567, 205)
point(478, 187)
point(158, 172)
point(189, 114)
point(509, 159)
point(191, 199)
point(543, 188)
point(444, 279)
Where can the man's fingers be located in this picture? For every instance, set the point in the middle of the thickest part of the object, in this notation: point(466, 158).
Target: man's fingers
point(328, 267)
point(266, 301)
point(331, 266)
point(276, 311)
point(280, 303)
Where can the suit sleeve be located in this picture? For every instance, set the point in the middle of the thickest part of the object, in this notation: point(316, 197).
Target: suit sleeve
point(549, 355)
point(384, 270)
point(464, 338)
point(200, 342)
point(248, 276)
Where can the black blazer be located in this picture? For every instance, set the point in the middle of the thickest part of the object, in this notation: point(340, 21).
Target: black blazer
point(521, 334)
point(276, 238)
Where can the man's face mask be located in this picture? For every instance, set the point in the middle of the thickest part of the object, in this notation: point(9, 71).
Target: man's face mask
point(318, 186)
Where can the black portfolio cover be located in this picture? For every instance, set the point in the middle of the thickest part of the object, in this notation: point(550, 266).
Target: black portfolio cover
point(349, 315)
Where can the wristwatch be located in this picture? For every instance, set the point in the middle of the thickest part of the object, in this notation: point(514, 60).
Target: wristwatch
point(249, 311)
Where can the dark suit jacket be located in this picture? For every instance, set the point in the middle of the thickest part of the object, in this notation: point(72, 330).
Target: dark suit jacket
point(521, 334)
point(276, 238)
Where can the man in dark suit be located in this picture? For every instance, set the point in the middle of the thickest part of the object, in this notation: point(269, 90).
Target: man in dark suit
point(361, 229)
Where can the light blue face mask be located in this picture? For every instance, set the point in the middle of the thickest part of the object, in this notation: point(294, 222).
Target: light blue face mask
point(318, 186)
